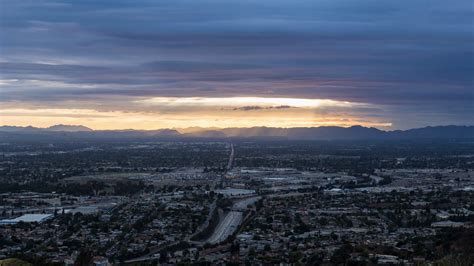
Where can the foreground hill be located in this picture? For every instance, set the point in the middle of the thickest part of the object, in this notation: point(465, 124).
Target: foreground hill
point(14, 262)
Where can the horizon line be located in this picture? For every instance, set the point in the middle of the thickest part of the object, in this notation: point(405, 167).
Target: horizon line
point(221, 128)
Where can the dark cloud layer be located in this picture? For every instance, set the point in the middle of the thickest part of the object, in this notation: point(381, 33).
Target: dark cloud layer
point(413, 57)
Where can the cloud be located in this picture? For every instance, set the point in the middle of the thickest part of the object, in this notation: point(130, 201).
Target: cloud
point(400, 55)
point(256, 107)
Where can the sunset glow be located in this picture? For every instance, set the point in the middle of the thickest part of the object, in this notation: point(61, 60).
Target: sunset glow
point(185, 112)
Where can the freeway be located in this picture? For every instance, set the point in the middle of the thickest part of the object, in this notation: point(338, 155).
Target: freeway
point(226, 227)
point(242, 204)
point(231, 221)
point(231, 158)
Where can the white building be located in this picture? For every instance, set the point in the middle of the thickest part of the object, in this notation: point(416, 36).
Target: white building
point(85, 210)
point(28, 218)
point(447, 224)
point(232, 192)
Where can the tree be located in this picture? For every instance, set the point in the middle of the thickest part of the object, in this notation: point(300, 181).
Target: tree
point(341, 254)
point(84, 258)
point(235, 248)
point(163, 256)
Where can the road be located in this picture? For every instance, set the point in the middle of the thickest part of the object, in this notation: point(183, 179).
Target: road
point(230, 164)
point(241, 205)
point(226, 227)
point(231, 221)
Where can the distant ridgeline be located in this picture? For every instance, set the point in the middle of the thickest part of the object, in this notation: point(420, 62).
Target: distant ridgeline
point(313, 133)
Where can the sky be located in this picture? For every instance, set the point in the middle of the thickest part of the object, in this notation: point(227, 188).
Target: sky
point(146, 64)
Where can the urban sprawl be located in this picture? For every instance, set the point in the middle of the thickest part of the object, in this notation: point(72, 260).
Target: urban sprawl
point(242, 202)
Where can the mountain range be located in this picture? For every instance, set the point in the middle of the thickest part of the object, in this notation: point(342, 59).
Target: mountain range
point(311, 133)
